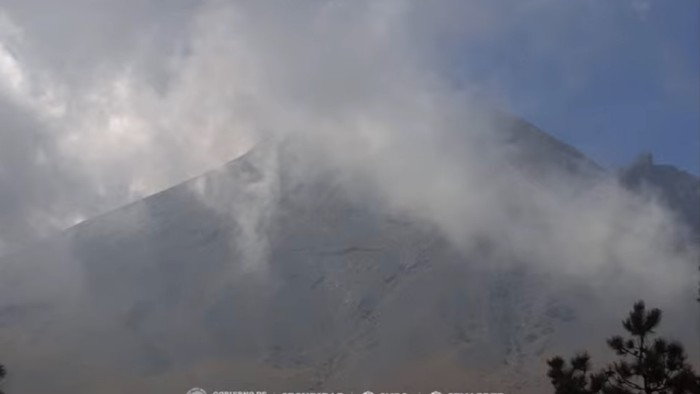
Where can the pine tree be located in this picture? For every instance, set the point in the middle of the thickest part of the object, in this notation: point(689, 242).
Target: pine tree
point(648, 365)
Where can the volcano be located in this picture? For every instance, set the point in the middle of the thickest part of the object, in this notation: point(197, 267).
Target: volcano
point(212, 284)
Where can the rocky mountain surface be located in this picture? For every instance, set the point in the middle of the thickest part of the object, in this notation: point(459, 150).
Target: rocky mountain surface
point(341, 293)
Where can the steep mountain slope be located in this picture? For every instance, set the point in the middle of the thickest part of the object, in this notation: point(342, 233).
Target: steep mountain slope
point(210, 284)
point(541, 151)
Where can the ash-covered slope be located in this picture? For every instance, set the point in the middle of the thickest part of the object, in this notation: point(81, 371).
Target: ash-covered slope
point(210, 284)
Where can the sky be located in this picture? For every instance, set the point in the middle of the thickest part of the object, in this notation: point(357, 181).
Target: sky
point(104, 102)
point(616, 81)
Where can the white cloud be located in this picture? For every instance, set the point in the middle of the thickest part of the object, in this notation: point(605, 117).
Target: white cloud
point(366, 85)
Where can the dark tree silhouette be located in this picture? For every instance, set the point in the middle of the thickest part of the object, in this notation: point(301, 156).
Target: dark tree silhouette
point(3, 374)
point(648, 365)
